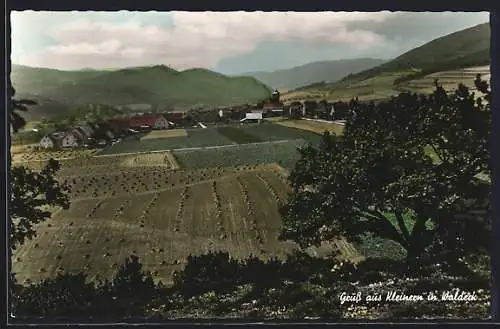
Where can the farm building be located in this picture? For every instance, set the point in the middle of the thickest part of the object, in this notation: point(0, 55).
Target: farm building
point(158, 122)
point(77, 132)
point(252, 117)
point(47, 142)
point(86, 129)
point(161, 123)
point(69, 140)
point(118, 125)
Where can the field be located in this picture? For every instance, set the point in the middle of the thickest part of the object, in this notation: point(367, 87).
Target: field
point(316, 127)
point(238, 135)
point(283, 153)
point(22, 155)
point(161, 216)
point(212, 137)
point(381, 86)
point(194, 138)
point(95, 165)
point(165, 134)
point(163, 206)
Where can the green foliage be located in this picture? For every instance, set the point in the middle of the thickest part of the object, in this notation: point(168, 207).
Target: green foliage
point(16, 120)
point(349, 184)
point(31, 192)
point(300, 286)
point(372, 246)
point(76, 296)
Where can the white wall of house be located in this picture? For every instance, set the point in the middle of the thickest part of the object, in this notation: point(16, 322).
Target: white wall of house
point(161, 123)
point(254, 116)
point(46, 142)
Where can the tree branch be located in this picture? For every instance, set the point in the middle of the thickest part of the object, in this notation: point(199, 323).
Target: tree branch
point(381, 225)
point(402, 226)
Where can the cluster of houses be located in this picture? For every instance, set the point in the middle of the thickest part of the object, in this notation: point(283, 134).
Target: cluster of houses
point(103, 133)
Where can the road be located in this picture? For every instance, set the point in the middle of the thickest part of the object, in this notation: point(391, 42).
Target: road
point(196, 148)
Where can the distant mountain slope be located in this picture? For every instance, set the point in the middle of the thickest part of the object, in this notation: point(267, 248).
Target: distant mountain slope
point(451, 55)
point(159, 86)
point(299, 76)
point(468, 47)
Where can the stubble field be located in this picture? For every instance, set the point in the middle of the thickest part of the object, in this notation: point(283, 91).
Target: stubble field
point(166, 206)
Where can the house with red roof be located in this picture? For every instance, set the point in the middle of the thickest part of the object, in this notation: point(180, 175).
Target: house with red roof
point(149, 121)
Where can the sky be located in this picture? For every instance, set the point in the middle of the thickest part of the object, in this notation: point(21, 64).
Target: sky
point(227, 42)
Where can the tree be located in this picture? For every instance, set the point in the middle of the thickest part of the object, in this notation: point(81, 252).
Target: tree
point(16, 120)
point(403, 171)
point(31, 191)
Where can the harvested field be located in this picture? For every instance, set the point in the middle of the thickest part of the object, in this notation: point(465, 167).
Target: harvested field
point(233, 209)
point(44, 155)
point(165, 134)
point(316, 127)
point(96, 165)
point(164, 159)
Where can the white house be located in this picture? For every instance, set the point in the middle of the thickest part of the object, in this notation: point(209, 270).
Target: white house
point(252, 116)
point(161, 123)
point(47, 142)
point(69, 140)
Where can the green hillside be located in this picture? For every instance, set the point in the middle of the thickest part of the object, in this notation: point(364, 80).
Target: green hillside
point(461, 49)
point(447, 58)
point(159, 86)
point(299, 76)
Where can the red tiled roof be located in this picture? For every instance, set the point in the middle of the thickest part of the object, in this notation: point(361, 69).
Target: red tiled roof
point(142, 121)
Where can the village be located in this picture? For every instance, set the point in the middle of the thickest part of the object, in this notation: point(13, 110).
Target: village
point(112, 130)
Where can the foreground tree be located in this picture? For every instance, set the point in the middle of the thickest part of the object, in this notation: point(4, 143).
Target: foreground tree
point(31, 192)
point(403, 170)
point(17, 122)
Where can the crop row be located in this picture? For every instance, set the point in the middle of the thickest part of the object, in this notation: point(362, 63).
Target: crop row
point(137, 181)
point(270, 188)
point(146, 210)
point(219, 212)
point(181, 207)
point(251, 210)
point(94, 209)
